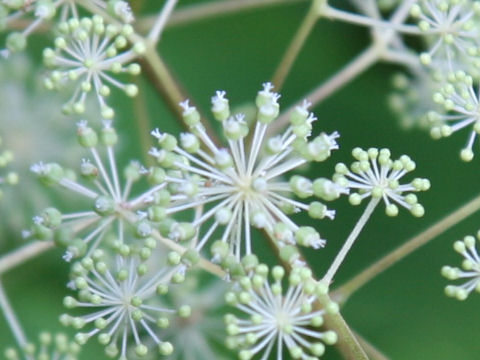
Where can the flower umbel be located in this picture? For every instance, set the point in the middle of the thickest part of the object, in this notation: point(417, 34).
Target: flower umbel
point(111, 210)
point(243, 185)
point(461, 100)
point(57, 347)
point(272, 314)
point(469, 271)
point(119, 292)
point(45, 10)
point(452, 28)
point(90, 53)
point(374, 174)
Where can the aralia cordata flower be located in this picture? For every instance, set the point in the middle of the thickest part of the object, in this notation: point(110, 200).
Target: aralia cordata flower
point(243, 185)
point(376, 175)
point(119, 291)
point(278, 316)
point(111, 210)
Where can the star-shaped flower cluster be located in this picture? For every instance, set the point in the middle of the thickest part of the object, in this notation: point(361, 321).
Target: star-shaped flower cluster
point(452, 29)
point(39, 12)
point(110, 210)
point(275, 315)
point(90, 54)
point(120, 294)
point(374, 174)
point(460, 99)
point(244, 185)
point(469, 272)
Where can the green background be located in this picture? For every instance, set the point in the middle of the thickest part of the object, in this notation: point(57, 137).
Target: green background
point(404, 311)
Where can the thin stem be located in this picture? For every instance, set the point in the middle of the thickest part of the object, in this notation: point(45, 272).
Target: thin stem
point(205, 11)
point(296, 45)
point(12, 320)
point(350, 240)
point(346, 290)
point(336, 14)
point(19, 256)
point(156, 31)
point(355, 67)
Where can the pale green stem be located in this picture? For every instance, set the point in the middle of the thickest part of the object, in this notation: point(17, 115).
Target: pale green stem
point(19, 256)
point(12, 320)
point(354, 68)
point(350, 240)
point(296, 45)
point(347, 343)
point(204, 11)
point(161, 21)
point(346, 290)
point(336, 14)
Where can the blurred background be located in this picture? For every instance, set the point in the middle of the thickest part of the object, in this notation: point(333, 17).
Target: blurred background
point(404, 311)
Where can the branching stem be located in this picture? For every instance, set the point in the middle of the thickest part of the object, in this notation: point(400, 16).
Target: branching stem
point(161, 21)
point(350, 240)
point(346, 290)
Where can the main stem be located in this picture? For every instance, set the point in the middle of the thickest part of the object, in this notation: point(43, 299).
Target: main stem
point(12, 319)
point(350, 240)
point(346, 290)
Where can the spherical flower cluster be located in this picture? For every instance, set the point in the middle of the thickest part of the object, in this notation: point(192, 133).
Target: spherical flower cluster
point(374, 174)
point(412, 100)
point(111, 211)
point(120, 294)
point(90, 54)
point(43, 11)
point(460, 99)
point(243, 186)
point(469, 271)
point(272, 313)
point(452, 29)
point(57, 347)
point(9, 178)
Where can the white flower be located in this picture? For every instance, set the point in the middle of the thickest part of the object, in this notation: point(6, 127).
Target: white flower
point(460, 100)
point(112, 211)
point(37, 12)
point(90, 54)
point(412, 98)
point(50, 347)
point(119, 294)
point(376, 175)
point(276, 318)
point(452, 29)
point(243, 186)
point(469, 271)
